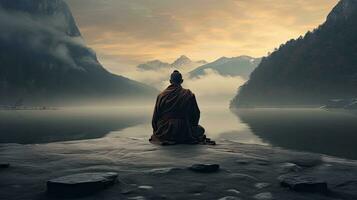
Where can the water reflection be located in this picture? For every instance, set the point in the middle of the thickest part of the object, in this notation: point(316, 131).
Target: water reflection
point(314, 130)
point(34, 127)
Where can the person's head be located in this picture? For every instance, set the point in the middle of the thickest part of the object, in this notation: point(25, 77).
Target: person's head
point(176, 78)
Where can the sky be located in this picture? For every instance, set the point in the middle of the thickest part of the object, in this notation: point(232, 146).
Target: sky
point(125, 33)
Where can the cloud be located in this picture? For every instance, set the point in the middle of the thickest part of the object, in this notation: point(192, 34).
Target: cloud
point(209, 88)
point(213, 87)
point(30, 35)
point(126, 33)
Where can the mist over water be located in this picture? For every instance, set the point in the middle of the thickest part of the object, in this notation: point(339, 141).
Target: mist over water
point(312, 130)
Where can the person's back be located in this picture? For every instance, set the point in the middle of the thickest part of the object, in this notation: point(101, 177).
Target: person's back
point(176, 116)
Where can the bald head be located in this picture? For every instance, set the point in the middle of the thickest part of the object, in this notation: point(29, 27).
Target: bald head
point(176, 78)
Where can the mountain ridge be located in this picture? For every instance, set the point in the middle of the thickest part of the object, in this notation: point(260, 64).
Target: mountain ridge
point(181, 63)
point(235, 66)
point(44, 59)
point(310, 70)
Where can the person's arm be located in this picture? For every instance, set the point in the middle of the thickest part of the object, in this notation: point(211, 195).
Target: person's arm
point(196, 113)
point(155, 115)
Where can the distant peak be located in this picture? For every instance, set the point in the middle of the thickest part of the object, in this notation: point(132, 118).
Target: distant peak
point(183, 57)
point(182, 61)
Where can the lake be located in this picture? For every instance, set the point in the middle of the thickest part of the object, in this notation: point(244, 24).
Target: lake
point(313, 130)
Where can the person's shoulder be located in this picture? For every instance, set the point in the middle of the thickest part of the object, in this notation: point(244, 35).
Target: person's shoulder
point(189, 92)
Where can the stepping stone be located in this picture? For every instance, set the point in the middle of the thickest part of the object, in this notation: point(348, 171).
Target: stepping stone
point(264, 196)
point(204, 168)
point(81, 184)
point(303, 183)
point(4, 165)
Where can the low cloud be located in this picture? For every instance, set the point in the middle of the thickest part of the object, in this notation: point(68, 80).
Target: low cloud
point(209, 88)
point(213, 87)
point(48, 36)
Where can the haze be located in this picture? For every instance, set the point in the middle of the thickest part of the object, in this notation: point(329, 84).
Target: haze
point(126, 33)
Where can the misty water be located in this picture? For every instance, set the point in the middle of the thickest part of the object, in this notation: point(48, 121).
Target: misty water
point(313, 130)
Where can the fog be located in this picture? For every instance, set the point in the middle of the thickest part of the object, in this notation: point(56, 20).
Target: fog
point(51, 36)
point(210, 88)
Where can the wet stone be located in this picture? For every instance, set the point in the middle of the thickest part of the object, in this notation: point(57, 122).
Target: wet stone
point(303, 183)
point(234, 191)
point(145, 187)
point(262, 185)
point(229, 198)
point(204, 168)
point(289, 167)
point(81, 184)
point(264, 196)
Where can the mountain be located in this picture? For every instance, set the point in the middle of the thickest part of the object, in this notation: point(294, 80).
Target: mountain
point(182, 63)
point(153, 65)
point(45, 60)
point(319, 66)
point(236, 66)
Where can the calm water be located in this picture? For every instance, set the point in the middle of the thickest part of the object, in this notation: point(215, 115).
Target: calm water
point(314, 130)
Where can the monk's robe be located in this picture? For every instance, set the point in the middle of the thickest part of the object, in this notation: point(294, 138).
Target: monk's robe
point(176, 118)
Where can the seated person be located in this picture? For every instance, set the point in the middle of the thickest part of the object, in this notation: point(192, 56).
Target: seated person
point(176, 116)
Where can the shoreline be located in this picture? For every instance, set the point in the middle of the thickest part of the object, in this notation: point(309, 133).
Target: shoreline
point(147, 171)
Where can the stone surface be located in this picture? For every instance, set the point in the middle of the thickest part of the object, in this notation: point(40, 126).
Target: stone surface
point(205, 168)
point(81, 184)
point(137, 198)
point(229, 198)
point(303, 183)
point(234, 191)
point(289, 167)
point(243, 161)
point(145, 187)
point(264, 196)
point(262, 185)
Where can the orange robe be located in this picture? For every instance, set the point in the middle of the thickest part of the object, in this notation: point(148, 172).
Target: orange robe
point(176, 117)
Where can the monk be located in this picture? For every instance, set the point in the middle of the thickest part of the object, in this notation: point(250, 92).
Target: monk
point(176, 116)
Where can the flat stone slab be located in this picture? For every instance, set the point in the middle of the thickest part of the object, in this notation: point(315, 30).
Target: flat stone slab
point(303, 183)
point(81, 184)
point(204, 168)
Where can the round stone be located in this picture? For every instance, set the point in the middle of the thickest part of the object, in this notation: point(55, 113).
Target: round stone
point(81, 184)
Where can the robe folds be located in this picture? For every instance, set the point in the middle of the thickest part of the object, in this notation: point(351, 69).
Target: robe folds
point(176, 118)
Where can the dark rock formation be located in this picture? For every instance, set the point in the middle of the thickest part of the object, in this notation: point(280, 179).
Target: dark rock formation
point(303, 183)
point(80, 184)
point(204, 168)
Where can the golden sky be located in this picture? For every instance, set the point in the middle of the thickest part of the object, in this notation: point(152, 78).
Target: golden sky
point(125, 33)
